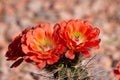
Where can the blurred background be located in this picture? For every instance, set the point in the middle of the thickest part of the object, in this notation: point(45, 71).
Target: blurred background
point(16, 15)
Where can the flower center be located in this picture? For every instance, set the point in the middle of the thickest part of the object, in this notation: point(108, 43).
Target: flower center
point(76, 34)
point(78, 37)
point(46, 46)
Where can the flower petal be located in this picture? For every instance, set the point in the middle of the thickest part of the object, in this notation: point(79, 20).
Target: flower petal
point(17, 63)
point(94, 33)
point(92, 43)
point(86, 54)
point(60, 49)
point(70, 54)
point(41, 64)
point(53, 59)
point(81, 27)
point(116, 72)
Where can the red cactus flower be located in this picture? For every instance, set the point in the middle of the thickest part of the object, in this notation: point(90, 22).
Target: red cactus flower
point(79, 37)
point(40, 45)
point(15, 51)
point(117, 71)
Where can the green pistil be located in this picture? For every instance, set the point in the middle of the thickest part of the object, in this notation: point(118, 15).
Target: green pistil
point(45, 46)
point(45, 43)
point(76, 34)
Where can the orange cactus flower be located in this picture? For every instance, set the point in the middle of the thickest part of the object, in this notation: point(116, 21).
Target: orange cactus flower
point(79, 36)
point(117, 71)
point(40, 45)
